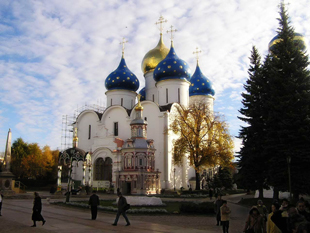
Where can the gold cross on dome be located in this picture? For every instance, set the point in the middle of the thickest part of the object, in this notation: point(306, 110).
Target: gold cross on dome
point(197, 53)
point(172, 31)
point(161, 22)
point(123, 45)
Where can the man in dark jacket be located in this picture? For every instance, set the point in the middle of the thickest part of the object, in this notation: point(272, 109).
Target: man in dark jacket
point(94, 202)
point(122, 203)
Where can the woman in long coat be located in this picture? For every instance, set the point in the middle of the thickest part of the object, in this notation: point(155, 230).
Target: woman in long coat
point(255, 222)
point(36, 210)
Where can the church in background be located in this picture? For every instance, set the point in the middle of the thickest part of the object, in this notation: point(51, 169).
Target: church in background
point(130, 144)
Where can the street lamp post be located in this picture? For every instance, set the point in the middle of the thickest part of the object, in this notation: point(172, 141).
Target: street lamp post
point(288, 160)
point(174, 177)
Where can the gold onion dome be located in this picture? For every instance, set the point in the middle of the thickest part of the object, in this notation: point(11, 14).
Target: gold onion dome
point(154, 56)
point(299, 41)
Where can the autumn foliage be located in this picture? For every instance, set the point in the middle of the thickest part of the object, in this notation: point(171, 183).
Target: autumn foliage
point(30, 161)
point(202, 137)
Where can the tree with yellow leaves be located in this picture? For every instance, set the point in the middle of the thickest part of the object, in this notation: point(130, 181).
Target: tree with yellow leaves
point(202, 137)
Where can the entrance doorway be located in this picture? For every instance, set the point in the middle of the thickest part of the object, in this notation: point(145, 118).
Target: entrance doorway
point(127, 188)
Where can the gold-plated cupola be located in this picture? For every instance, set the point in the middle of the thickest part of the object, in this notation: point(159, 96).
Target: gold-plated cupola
point(156, 55)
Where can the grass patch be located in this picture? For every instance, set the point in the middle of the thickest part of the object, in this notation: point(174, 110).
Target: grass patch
point(170, 207)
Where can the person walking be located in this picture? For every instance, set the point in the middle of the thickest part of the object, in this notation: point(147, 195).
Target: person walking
point(36, 210)
point(94, 202)
point(225, 212)
point(271, 226)
point(255, 223)
point(1, 199)
point(218, 203)
point(121, 205)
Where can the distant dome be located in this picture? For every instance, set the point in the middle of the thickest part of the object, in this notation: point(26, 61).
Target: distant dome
point(299, 40)
point(154, 56)
point(172, 67)
point(142, 93)
point(200, 84)
point(122, 79)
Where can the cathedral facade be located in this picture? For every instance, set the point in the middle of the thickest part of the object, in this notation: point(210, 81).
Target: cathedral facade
point(130, 142)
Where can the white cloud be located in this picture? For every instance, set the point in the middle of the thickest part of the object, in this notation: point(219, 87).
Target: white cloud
point(55, 55)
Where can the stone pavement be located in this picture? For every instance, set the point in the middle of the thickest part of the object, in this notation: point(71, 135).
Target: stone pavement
point(16, 217)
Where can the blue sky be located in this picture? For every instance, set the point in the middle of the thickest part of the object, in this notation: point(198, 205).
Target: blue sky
point(55, 55)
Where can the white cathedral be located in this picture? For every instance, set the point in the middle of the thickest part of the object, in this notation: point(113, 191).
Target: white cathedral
point(130, 144)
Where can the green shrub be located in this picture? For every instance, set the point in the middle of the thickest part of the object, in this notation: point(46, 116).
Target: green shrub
point(197, 208)
point(197, 192)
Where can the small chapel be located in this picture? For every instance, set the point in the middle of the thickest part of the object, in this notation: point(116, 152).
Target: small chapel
point(130, 145)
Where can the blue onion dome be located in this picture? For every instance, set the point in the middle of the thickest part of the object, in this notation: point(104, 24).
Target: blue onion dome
point(142, 93)
point(122, 79)
point(299, 41)
point(200, 84)
point(172, 67)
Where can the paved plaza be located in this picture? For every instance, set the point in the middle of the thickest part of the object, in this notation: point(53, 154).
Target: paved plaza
point(16, 217)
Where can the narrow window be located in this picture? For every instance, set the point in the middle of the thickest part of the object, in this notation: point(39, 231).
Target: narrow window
point(145, 118)
point(166, 95)
point(178, 95)
point(111, 102)
point(121, 101)
point(140, 162)
point(153, 98)
point(89, 131)
point(115, 128)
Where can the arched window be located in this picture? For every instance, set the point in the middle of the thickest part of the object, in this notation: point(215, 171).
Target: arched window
point(103, 169)
point(99, 168)
point(107, 172)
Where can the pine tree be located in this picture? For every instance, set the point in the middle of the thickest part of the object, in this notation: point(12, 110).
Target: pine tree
point(252, 162)
point(288, 104)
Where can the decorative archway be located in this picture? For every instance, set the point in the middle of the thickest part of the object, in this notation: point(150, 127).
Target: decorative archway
point(66, 158)
point(103, 169)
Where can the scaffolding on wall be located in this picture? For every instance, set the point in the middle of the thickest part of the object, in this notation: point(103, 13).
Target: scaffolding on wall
point(68, 121)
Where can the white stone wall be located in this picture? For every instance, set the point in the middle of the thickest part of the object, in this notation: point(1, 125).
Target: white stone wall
point(121, 97)
point(150, 87)
point(209, 100)
point(83, 121)
point(174, 86)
